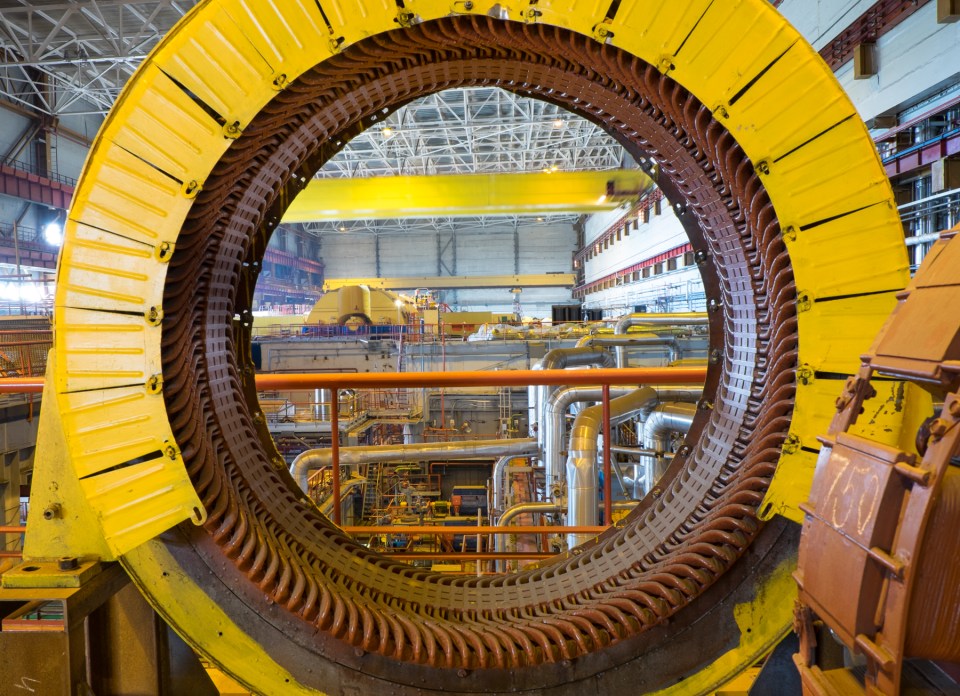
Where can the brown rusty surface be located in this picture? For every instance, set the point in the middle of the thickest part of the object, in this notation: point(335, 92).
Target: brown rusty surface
point(339, 599)
point(934, 629)
point(878, 555)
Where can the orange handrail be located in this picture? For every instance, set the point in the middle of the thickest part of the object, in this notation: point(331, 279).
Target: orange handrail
point(467, 556)
point(500, 378)
point(472, 531)
point(496, 378)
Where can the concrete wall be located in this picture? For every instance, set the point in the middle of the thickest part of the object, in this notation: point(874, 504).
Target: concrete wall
point(918, 59)
point(674, 291)
point(468, 251)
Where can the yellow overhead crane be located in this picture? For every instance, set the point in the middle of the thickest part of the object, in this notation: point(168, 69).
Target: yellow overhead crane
point(539, 193)
point(108, 457)
point(527, 280)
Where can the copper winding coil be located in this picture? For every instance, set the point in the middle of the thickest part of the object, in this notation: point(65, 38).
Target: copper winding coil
point(343, 600)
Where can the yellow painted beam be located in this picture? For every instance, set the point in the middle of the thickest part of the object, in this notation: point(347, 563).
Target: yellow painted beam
point(465, 194)
point(534, 280)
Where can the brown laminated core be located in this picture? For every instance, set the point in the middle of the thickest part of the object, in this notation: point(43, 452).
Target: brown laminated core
point(348, 599)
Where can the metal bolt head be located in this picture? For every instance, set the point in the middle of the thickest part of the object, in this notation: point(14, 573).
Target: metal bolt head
point(52, 512)
point(939, 428)
point(68, 563)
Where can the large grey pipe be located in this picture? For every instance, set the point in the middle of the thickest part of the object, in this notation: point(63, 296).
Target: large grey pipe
point(582, 459)
point(673, 319)
point(582, 499)
point(622, 341)
point(499, 475)
point(665, 419)
point(563, 359)
point(430, 452)
point(554, 422)
point(500, 540)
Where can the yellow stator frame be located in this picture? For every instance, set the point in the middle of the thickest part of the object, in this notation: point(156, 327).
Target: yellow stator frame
point(107, 441)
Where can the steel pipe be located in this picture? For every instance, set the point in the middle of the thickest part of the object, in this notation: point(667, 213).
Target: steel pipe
point(425, 452)
point(663, 420)
point(673, 319)
point(622, 341)
point(500, 542)
point(566, 359)
point(582, 457)
point(554, 417)
point(499, 472)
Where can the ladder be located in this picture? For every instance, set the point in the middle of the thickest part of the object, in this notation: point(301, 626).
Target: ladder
point(371, 491)
point(506, 412)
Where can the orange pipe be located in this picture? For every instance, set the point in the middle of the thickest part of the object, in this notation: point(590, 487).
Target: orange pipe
point(482, 556)
point(471, 531)
point(21, 385)
point(501, 378)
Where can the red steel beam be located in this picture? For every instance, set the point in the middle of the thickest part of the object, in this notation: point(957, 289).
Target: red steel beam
point(335, 452)
point(607, 484)
point(21, 184)
point(923, 154)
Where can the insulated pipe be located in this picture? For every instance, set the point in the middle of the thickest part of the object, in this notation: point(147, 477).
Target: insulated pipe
point(582, 460)
point(499, 472)
point(561, 400)
point(563, 359)
point(553, 421)
point(327, 506)
point(621, 341)
point(663, 420)
point(431, 452)
point(674, 319)
point(647, 319)
point(500, 541)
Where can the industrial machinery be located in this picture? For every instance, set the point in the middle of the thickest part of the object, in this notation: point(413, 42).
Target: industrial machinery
point(154, 451)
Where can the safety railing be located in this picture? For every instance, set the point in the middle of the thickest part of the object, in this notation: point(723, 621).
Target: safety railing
point(23, 353)
point(12, 529)
point(512, 378)
point(445, 331)
point(16, 165)
point(337, 382)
